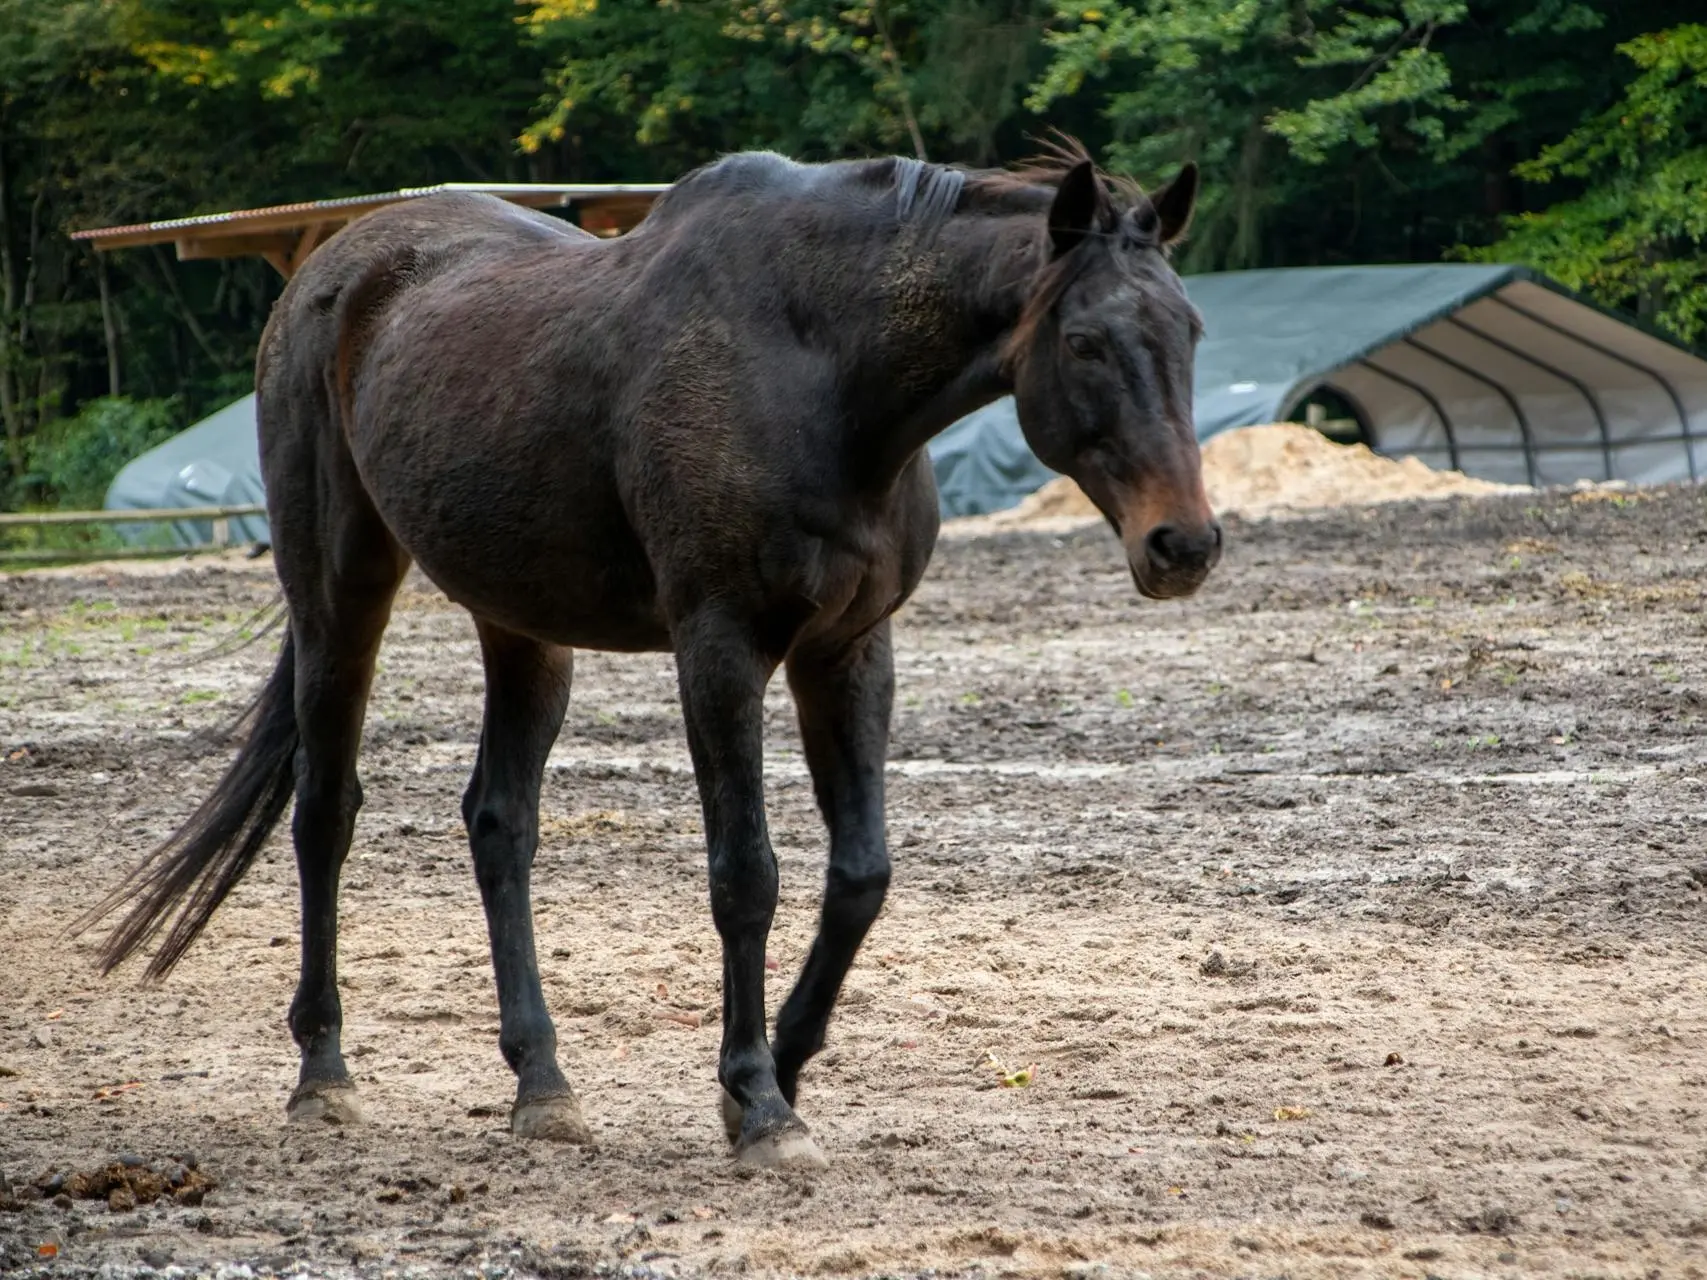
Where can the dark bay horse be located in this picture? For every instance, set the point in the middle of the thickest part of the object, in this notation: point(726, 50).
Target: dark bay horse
point(707, 438)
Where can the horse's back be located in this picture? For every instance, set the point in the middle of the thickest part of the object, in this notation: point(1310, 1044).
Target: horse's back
point(416, 342)
point(377, 262)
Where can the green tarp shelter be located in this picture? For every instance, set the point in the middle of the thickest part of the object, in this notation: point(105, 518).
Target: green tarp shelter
point(216, 463)
point(1492, 370)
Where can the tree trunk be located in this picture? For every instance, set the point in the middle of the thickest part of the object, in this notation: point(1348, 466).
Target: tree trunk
point(907, 113)
point(109, 324)
point(189, 317)
point(10, 410)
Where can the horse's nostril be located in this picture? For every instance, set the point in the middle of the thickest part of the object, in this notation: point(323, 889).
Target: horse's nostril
point(1171, 548)
point(1162, 546)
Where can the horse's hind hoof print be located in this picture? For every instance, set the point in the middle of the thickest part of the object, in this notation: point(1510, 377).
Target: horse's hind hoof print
point(553, 1119)
point(328, 1104)
point(790, 1149)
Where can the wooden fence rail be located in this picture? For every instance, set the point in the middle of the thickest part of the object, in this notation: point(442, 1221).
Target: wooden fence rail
point(221, 516)
point(142, 515)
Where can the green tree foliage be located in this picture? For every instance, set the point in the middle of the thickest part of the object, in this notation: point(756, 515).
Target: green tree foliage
point(71, 461)
point(813, 78)
point(1380, 130)
point(1637, 235)
point(1566, 133)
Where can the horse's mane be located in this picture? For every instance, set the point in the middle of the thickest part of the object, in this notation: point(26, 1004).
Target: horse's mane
point(925, 194)
point(1059, 156)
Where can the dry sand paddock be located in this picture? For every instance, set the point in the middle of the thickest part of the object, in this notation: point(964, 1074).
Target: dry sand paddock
point(1416, 783)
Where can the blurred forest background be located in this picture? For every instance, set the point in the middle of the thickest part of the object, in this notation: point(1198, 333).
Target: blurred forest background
point(1567, 134)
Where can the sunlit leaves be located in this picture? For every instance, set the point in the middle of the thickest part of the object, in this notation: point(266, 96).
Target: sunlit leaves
point(1637, 235)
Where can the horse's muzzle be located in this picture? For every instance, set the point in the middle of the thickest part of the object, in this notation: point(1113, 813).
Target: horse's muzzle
point(1173, 561)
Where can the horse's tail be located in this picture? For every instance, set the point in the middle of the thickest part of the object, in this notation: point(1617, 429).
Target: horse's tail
point(193, 871)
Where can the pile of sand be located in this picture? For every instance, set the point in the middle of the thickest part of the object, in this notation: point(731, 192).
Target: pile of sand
point(1262, 470)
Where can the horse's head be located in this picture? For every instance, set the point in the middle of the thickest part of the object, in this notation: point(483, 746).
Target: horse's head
point(1102, 371)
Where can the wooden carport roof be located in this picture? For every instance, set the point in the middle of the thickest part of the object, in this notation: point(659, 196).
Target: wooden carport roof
point(286, 234)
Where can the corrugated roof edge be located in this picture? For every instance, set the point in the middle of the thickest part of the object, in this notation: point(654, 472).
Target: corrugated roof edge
point(569, 191)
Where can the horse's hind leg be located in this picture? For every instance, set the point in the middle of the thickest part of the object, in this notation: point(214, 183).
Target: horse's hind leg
point(340, 568)
point(844, 702)
point(527, 693)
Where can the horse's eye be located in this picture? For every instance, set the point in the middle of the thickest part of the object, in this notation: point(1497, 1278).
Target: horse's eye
point(1084, 347)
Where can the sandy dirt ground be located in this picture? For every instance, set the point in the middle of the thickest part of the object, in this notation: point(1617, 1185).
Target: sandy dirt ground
point(1352, 916)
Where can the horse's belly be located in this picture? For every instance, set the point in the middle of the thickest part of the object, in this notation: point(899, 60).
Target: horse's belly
point(545, 552)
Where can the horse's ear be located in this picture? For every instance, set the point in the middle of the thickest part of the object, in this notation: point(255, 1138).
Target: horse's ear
point(1081, 207)
point(1174, 203)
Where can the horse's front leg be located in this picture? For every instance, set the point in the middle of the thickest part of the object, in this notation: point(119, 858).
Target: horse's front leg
point(527, 694)
point(843, 699)
point(723, 677)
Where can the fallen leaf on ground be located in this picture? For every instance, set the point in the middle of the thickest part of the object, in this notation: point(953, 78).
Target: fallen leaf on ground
point(1291, 1113)
point(1394, 1060)
point(1020, 1079)
point(703, 1212)
point(677, 1016)
point(47, 1251)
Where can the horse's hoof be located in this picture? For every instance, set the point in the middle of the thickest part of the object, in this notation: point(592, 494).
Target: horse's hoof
point(792, 1150)
point(553, 1119)
point(327, 1103)
point(731, 1118)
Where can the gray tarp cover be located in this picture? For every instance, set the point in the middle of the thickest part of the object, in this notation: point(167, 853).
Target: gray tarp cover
point(217, 462)
point(1490, 369)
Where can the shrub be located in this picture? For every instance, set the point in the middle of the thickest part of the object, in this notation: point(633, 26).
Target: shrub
point(71, 461)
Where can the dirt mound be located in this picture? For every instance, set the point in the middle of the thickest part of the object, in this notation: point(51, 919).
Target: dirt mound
point(1281, 467)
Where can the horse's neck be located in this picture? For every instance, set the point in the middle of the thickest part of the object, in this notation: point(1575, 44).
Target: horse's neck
point(946, 304)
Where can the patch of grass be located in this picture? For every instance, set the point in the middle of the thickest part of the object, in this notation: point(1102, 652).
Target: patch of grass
point(200, 695)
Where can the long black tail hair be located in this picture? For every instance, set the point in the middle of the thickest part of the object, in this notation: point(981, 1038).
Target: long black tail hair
point(179, 886)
